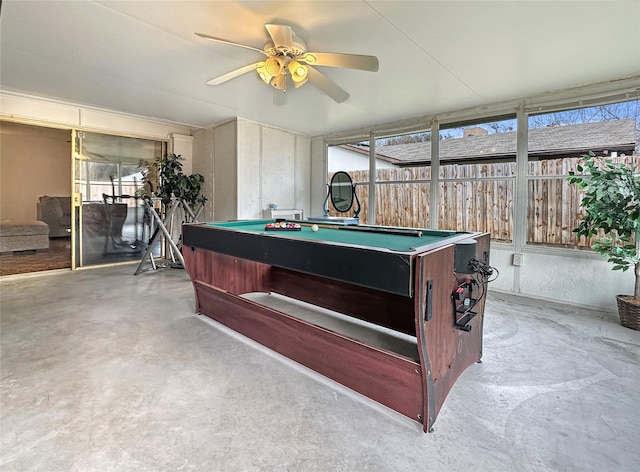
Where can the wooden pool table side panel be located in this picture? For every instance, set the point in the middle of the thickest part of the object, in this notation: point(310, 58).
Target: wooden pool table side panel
point(387, 378)
point(228, 273)
point(383, 309)
point(450, 350)
point(484, 249)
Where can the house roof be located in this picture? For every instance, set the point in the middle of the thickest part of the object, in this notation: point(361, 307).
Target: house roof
point(544, 143)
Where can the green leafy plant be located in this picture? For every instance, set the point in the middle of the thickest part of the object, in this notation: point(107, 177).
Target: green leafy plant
point(612, 211)
point(173, 182)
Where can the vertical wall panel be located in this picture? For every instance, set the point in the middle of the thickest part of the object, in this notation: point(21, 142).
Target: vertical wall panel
point(249, 163)
point(303, 173)
point(203, 148)
point(278, 168)
point(318, 181)
point(256, 165)
point(182, 145)
point(225, 201)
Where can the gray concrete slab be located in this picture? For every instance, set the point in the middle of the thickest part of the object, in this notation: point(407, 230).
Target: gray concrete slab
point(104, 371)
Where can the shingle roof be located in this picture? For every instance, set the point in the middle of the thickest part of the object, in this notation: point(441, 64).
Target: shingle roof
point(614, 135)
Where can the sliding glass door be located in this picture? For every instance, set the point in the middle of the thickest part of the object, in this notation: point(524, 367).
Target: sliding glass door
point(111, 222)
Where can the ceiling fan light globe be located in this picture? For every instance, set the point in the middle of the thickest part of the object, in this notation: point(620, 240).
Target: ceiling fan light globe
point(274, 66)
point(263, 73)
point(298, 71)
point(279, 82)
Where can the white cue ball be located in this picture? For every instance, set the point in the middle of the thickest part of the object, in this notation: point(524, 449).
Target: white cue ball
point(314, 228)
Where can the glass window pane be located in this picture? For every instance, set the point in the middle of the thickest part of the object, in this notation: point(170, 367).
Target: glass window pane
point(478, 205)
point(477, 173)
point(402, 177)
point(553, 211)
point(404, 204)
point(556, 142)
point(398, 155)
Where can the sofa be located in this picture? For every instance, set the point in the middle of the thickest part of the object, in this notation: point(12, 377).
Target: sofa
point(23, 236)
point(56, 212)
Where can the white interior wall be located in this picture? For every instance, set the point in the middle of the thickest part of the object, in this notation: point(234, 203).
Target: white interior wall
point(225, 168)
point(302, 175)
point(203, 148)
point(182, 145)
point(571, 278)
point(578, 278)
point(249, 169)
point(318, 178)
point(253, 165)
point(500, 257)
point(273, 167)
point(277, 167)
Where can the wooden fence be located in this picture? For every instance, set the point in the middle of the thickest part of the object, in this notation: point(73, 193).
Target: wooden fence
point(483, 202)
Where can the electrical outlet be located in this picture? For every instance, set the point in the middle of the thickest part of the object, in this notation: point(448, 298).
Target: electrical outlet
point(517, 259)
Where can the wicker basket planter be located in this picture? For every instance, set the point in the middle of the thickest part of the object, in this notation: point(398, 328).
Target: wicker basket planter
point(629, 311)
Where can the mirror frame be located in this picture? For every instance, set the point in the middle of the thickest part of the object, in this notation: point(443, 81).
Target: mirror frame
point(339, 182)
point(330, 195)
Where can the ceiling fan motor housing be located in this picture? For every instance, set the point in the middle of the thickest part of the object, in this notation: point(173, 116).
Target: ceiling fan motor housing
point(298, 48)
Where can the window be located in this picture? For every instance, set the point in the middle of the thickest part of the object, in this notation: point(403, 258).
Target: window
point(477, 178)
point(556, 142)
point(403, 180)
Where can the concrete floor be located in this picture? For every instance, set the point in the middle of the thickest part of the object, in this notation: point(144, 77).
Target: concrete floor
point(104, 371)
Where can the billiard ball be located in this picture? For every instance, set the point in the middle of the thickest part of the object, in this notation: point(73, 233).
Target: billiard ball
point(314, 228)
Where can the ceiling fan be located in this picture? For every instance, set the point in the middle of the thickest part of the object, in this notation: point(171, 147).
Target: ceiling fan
point(287, 61)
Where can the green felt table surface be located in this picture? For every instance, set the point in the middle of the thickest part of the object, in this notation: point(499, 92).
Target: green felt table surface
point(338, 236)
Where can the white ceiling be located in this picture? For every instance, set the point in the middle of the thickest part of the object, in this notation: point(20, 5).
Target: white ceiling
point(142, 57)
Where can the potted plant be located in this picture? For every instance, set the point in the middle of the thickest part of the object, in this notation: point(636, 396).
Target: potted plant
point(612, 215)
point(172, 182)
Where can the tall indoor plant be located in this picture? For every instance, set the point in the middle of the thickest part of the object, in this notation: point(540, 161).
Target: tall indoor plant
point(612, 214)
point(172, 182)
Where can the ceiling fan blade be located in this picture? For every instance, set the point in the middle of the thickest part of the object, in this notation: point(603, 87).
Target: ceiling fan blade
point(348, 61)
point(226, 41)
point(282, 36)
point(325, 84)
point(233, 74)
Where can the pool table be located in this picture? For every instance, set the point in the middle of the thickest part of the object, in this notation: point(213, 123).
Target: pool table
point(394, 279)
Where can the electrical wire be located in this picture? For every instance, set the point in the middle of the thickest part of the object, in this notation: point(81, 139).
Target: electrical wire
point(482, 275)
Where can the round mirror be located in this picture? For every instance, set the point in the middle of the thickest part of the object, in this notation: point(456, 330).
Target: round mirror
point(341, 190)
